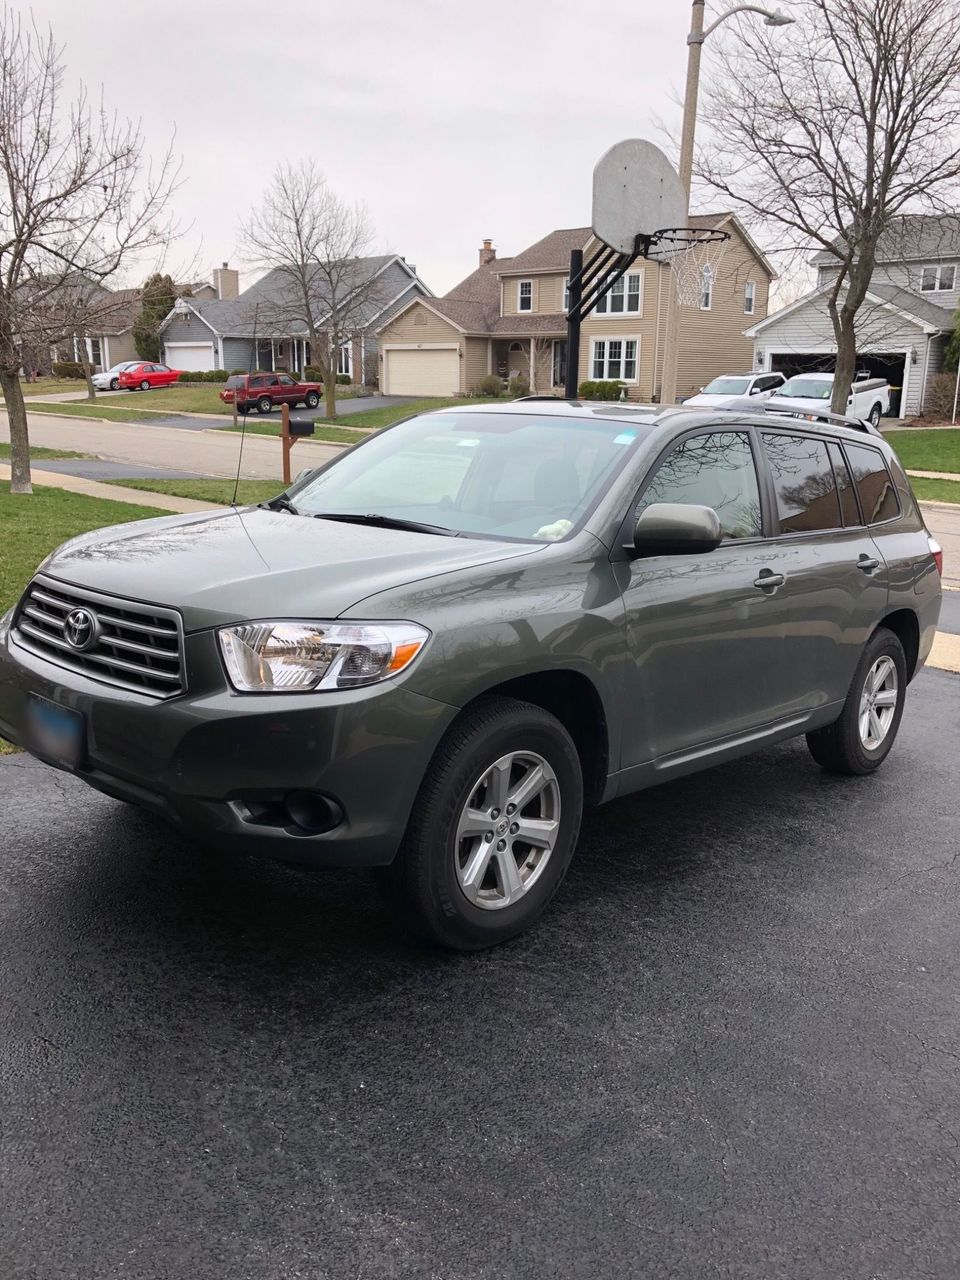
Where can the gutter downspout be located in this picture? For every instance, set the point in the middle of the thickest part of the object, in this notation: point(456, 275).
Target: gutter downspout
point(656, 340)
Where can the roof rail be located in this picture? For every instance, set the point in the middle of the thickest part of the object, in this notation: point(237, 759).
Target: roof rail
point(561, 399)
point(809, 415)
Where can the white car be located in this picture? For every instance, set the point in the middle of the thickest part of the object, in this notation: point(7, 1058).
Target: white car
point(109, 380)
point(869, 398)
point(734, 386)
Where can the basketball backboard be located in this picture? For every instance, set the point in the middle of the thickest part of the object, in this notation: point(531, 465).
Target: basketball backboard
point(636, 191)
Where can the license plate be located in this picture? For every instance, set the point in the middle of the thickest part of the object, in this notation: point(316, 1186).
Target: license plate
point(56, 733)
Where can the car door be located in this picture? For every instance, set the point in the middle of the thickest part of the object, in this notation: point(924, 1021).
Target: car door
point(163, 375)
point(289, 390)
point(704, 631)
point(833, 585)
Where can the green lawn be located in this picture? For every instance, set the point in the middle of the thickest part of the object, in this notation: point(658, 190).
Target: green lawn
point(53, 386)
point(209, 490)
point(927, 450)
point(32, 525)
point(332, 434)
point(936, 490)
point(38, 455)
point(93, 409)
point(367, 419)
point(201, 397)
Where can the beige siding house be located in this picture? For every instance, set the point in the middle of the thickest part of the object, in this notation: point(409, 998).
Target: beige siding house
point(508, 318)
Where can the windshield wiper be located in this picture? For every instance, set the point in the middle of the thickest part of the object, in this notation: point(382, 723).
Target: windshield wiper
point(386, 522)
point(280, 503)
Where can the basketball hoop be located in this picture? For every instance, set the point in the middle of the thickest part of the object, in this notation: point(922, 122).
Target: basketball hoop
point(691, 252)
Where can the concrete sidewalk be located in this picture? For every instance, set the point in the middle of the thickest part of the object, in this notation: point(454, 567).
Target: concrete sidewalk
point(113, 492)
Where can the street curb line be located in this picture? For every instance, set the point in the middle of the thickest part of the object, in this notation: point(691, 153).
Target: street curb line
point(945, 654)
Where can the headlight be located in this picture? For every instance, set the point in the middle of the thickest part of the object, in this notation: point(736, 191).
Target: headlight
point(295, 657)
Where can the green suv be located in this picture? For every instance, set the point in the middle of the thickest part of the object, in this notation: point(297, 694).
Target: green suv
point(430, 654)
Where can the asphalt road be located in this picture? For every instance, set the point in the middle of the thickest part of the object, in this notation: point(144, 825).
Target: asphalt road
point(731, 1050)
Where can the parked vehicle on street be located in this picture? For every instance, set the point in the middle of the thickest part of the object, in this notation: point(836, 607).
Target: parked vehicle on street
point(262, 391)
point(734, 386)
point(869, 398)
point(109, 379)
point(143, 375)
point(430, 654)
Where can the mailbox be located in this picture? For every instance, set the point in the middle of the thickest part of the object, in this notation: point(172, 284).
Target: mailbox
point(302, 428)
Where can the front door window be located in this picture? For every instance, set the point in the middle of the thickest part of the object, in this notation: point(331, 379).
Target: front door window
point(560, 363)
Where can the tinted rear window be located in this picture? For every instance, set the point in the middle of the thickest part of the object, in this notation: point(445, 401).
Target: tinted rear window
point(848, 497)
point(878, 497)
point(806, 491)
point(235, 381)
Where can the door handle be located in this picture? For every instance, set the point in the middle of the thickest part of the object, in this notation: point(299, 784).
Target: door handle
point(768, 580)
point(868, 564)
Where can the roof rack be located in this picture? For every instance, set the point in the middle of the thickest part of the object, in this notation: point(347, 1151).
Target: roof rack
point(808, 415)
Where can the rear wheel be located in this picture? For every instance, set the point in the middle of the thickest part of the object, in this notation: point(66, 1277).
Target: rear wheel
point(860, 740)
point(875, 413)
point(241, 409)
point(493, 827)
point(144, 385)
point(264, 404)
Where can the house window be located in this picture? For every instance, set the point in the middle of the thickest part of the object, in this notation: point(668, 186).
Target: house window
point(566, 293)
point(938, 279)
point(706, 288)
point(749, 298)
point(345, 359)
point(95, 352)
point(615, 358)
point(625, 297)
point(525, 295)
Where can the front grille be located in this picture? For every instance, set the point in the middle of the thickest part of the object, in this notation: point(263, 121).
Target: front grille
point(132, 645)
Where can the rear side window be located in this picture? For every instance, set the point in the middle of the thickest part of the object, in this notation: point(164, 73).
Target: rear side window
point(878, 497)
point(713, 471)
point(807, 498)
point(235, 381)
point(848, 497)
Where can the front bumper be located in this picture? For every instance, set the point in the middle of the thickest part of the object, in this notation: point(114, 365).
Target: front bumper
point(213, 761)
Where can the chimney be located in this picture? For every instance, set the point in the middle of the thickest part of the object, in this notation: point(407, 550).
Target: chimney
point(226, 281)
point(488, 253)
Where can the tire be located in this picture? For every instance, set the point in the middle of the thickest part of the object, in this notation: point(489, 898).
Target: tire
point(264, 404)
point(114, 384)
point(144, 385)
point(311, 400)
point(843, 747)
point(427, 880)
point(874, 416)
point(242, 409)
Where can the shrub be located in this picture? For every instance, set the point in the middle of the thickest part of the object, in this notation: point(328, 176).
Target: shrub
point(313, 373)
point(600, 390)
point(491, 385)
point(938, 402)
point(67, 369)
point(519, 385)
point(343, 379)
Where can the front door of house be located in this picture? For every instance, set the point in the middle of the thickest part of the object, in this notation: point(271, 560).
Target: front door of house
point(560, 362)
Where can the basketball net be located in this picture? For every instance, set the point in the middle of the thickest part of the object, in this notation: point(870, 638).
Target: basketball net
point(691, 254)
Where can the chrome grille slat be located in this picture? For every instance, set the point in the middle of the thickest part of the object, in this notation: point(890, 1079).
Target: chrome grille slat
point(139, 646)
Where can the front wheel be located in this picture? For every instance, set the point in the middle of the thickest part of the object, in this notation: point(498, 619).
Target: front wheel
point(114, 384)
point(264, 404)
point(493, 827)
point(860, 740)
point(311, 400)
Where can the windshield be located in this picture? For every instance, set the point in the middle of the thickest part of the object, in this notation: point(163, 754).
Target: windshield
point(492, 474)
point(806, 388)
point(727, 387)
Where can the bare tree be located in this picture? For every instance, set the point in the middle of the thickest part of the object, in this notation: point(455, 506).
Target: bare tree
point(827, 139)
point(77, 202)
point(314, 243)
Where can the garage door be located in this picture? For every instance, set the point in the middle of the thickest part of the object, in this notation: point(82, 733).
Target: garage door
point(189, 355)
point(423, 373)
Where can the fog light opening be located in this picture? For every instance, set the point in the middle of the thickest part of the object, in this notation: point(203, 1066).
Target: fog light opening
point(313, 812)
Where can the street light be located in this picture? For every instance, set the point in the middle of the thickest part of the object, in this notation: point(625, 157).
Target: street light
point(772, 18)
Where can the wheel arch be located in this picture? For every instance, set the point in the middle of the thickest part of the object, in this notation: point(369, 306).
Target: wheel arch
point(905, 625)
point(575, 701)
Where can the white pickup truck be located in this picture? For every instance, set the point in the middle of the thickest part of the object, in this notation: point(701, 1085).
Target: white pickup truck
point(869, 398)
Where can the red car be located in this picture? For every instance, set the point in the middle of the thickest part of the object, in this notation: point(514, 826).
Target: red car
point(145, 375)
point(261, 391)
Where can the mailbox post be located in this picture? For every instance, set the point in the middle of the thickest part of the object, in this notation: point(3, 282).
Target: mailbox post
point(290, 433)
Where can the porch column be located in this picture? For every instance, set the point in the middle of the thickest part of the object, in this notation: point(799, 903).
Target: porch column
point(533, 366)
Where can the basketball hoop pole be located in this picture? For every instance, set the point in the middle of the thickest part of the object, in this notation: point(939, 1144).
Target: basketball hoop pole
point(573, 324)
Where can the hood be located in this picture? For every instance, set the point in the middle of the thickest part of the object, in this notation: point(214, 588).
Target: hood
point(231, 566)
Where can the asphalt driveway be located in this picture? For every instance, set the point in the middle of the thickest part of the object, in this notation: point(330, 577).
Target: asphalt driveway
point(732, 1049)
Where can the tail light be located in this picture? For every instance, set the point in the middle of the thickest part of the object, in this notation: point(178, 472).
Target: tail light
point(937, 552)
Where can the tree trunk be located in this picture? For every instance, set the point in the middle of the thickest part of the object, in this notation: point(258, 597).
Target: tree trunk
point(846, 366)
point(328, 364)
point(19, 435)
point(81, 349)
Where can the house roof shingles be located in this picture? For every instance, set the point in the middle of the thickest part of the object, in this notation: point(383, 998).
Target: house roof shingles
point(552, 253)
point(913, 237)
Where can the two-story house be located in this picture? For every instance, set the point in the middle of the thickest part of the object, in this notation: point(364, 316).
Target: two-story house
point(256, 329)
point(904, 324)
point(508, 318)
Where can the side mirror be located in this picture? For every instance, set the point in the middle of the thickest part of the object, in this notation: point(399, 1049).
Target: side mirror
point(677, 529)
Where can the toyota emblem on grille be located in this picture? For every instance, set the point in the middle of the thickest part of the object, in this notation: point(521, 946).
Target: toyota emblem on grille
point(80, 628)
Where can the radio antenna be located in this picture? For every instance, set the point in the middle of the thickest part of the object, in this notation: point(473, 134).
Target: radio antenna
point(243, 424)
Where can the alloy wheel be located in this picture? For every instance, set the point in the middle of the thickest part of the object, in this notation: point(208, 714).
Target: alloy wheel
point(507, 830)
point(878, 703)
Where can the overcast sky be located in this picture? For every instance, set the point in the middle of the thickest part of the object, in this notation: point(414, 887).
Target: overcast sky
point(450, 121)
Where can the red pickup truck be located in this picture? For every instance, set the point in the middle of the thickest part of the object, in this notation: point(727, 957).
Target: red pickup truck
point(261, 391)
